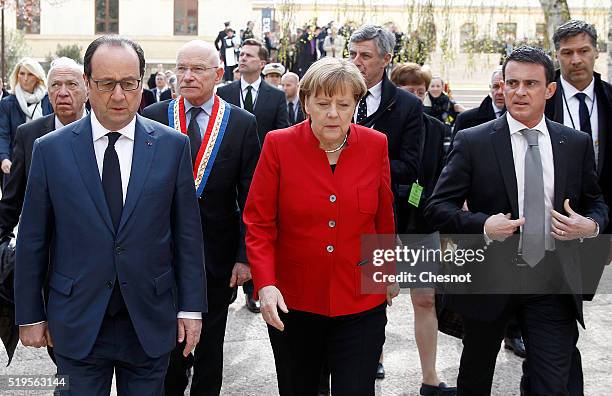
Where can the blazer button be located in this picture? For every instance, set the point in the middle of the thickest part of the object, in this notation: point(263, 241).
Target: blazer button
point(332, 198)
point(119, 250)
point(330, 248)
point(109, 284)
point(331, 224)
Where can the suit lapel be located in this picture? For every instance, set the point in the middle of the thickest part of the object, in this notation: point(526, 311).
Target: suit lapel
point(49, 124)
point(603, 105)
point(235, 94)
point(500, 138)
point(144, 149)
point(262, 96)
point(85, 156)
point(557, 139)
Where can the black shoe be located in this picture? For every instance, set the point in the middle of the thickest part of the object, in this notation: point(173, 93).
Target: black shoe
point(441, 390)
point(516, 345)
point(251, 304)
point(380, 371)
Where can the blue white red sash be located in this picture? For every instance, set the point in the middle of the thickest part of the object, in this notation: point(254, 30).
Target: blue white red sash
point(217, 124)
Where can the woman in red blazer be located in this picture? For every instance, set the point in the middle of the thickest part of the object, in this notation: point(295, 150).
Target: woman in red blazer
point(318, 187)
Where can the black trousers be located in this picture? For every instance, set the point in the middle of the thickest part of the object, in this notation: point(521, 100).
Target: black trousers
point(350, 345)
point(208, 355)
point(548, 326)
point(575, 385)
point(117, 350)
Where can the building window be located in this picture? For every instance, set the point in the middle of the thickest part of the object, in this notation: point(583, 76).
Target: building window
point(467, 35)
point(541, 32)
point(506, 30)
point(28, 16)
point(186, 17)
point(107, 16)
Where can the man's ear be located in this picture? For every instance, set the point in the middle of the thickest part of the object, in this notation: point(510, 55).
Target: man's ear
point(387, 59)
point(550, 90)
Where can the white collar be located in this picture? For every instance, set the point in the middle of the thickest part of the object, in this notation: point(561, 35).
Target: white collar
point(295, 100)
point(207, 106)
point(570, 90)
point(98, 131)
point(496, 109)
point(376, 90)
point(58, 123)
point(255, 85)
point(516, 126)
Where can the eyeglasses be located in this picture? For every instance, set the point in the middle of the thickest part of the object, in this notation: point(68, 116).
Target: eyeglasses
point(197, 70)
point(109, 85)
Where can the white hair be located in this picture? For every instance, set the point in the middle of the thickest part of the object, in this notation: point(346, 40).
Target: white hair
point(65, 63)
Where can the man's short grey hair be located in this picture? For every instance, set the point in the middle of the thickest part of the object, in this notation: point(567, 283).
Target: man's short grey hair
point(574, 28)
point(383, 38)
point(65, 63)
point(497, 71)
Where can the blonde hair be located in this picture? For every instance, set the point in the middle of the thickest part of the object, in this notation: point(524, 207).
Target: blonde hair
point(331, 76)
point(33, 67)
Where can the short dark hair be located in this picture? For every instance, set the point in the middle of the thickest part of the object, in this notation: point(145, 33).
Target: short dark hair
point(263, 51)
point(112, 41)
point(529, 54)
point(574, 28)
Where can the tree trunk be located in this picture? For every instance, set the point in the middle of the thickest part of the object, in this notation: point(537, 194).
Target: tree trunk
point(556, 12)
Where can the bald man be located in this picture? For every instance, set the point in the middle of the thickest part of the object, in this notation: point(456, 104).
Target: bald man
point(230, 135)
point(290, 82)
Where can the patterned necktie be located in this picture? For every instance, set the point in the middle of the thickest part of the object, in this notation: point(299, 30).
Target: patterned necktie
point(193, 131)
point(583, 113)
point(291, 113)
point(248, 100)
point(362, 109)
point(533, 237)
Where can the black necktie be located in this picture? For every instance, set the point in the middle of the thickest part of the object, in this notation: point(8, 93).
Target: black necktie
point(248, 100)
point(583, 113)
point(193, 131)
point(291, 114)
point(111, 179)
point(362, 109)
point(113, 192)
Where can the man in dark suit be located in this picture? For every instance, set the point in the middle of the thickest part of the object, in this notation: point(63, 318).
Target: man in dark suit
point(221, 205)
point(386, 108)
point(515, 174)
point(492, 106)
point(267, 103)
point(576, 46)
point(67, 94)
point(110, 208)
point(290, 82)
point(161, 91)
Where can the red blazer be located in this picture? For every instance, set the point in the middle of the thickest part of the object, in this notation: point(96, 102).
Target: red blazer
point(304, 223)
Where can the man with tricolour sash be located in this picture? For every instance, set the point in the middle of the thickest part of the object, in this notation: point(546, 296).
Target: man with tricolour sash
point(224, 150)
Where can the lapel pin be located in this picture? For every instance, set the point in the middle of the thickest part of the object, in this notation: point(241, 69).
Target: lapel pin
point(149, 143)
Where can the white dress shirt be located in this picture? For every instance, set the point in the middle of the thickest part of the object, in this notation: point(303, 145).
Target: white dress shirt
point(519, 149)
point(58, 123)
point(125, 149)
point(496, 110)
point(203, 117)
point(254, 91)
point(573, 103)
point(372, 100)
point(296, 105)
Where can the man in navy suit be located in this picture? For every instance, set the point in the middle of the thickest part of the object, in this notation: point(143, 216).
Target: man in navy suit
point(531, 188)
point(110, 217)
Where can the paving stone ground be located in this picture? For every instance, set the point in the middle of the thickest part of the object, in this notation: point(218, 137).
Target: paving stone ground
point(249, 365)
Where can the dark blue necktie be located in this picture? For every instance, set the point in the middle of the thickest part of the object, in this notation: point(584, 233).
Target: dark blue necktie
point(111, 182)
point(583, 113)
